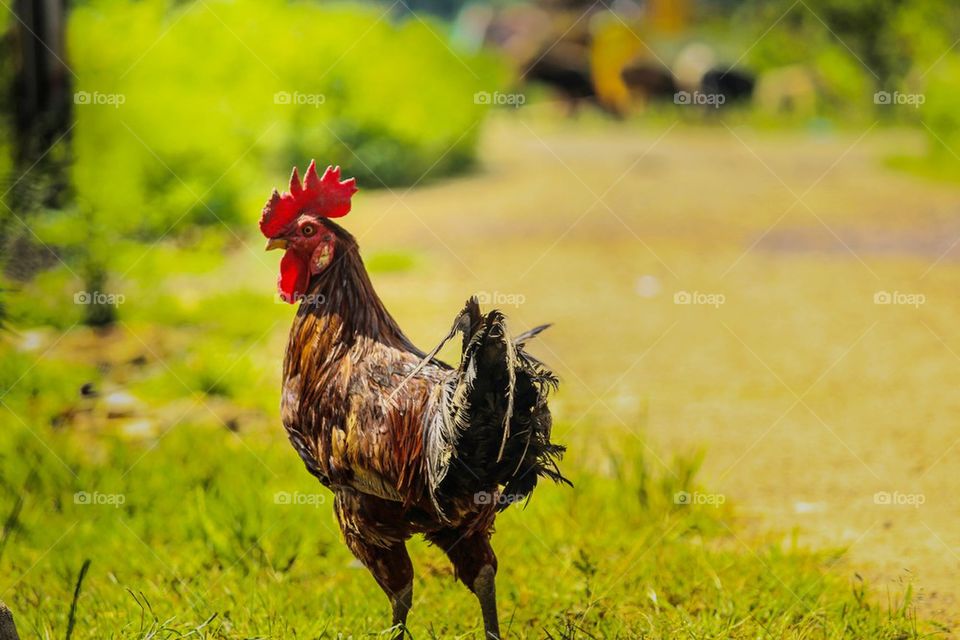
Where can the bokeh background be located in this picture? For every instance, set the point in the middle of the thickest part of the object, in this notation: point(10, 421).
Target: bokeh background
point(741, 216)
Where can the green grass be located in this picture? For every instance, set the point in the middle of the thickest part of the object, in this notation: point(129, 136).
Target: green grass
point(186, 537)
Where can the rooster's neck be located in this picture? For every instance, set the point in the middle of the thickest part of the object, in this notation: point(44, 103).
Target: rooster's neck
point(342, 307)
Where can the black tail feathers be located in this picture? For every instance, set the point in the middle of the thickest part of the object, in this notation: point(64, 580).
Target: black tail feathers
point(490, 424)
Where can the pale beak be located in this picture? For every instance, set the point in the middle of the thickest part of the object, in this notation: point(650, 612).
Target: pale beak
point(276, 243)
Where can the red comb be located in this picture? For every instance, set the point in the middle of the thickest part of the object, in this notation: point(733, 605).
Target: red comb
point(326, 197)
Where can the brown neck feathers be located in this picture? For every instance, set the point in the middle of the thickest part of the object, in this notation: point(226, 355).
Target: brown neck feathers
point(341, 308)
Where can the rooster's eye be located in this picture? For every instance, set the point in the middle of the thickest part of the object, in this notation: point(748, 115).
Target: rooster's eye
point(308, 230)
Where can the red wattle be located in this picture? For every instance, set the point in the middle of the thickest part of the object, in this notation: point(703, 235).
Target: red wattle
point(294, 277)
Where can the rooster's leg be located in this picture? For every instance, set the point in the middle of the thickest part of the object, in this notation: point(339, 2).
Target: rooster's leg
point(380, 548)
point(475, 564)
point(486, 589)
point(393, 571)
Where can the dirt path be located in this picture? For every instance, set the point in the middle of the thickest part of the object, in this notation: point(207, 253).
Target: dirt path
point(819, 409)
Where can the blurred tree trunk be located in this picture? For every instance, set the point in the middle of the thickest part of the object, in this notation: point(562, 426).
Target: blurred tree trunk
point(42, 97)
point(41, 113)
point(40, 101)
point(41, 84)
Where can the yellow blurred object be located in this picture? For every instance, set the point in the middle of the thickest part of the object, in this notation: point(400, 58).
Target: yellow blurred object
point(614, 45)
point(669, 15)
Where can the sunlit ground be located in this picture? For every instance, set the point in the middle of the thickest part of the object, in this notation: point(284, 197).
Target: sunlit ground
point(806, 396)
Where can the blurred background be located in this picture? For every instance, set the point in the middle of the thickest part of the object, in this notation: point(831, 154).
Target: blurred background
point(130, 122)
point(742, 217)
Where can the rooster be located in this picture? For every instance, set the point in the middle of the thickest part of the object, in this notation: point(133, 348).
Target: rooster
point(408, 444)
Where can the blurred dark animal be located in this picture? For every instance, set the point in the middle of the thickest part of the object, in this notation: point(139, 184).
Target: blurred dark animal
point(565, 69)
point(734, 85)
point(649, 81)
point(407, 443)
point(548, 44)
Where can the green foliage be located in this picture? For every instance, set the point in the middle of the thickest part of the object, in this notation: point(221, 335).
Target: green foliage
point(846, 86)
point(200, 109)
point(862, 26)
point(886, 38)
point(207, 103)
point(941, 112)
point(46, 301)
point(853, 48)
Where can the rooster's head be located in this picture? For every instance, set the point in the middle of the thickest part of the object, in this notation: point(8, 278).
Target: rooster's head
point(294, 221)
